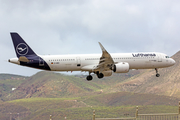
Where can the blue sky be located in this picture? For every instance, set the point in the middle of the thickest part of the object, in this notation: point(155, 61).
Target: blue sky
point(76, 27)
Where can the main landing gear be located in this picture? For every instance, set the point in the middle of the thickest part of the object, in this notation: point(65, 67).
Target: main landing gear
point(89, 78)
point(157, 74)
point(99, 75)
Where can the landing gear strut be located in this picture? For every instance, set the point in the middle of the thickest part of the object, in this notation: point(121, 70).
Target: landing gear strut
point(157, 74)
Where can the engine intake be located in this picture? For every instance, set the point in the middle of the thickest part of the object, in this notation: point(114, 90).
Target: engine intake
point(121, 67)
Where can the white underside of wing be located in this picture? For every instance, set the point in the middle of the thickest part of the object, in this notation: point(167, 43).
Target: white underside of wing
point(89, 68)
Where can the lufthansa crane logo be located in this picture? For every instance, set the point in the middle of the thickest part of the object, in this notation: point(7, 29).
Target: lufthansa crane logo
point(22, 49)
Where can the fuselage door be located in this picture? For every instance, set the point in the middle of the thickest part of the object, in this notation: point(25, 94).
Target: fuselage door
point(159, 58)
point(41, 62)
point(78, 60)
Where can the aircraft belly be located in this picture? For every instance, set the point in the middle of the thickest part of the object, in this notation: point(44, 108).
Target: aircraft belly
point(141, 64)
point(64, 67)
point(160, 64)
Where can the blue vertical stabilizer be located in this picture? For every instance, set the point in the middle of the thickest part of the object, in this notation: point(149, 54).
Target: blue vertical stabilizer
point(21, 47)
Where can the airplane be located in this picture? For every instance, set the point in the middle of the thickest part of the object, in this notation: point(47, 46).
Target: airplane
point(103, 65)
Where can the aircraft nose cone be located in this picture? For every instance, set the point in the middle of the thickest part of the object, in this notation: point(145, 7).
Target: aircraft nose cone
point(173, 62)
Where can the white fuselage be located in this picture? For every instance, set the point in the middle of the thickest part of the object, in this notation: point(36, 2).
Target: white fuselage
point(81, 62)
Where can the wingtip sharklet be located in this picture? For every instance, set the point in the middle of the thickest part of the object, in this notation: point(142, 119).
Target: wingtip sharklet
point(102, 48)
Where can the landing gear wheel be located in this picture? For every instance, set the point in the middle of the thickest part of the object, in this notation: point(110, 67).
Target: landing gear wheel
point(100, 75)
point(157, 75)
point(89, 78)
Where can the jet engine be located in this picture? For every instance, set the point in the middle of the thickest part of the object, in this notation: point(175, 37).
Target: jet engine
point(121, 67)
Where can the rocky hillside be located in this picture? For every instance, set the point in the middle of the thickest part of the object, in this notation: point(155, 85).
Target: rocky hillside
point(9, 82)
point(167, 84)
point(50, 84)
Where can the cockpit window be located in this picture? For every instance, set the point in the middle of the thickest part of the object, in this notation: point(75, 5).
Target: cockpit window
point(167, 56)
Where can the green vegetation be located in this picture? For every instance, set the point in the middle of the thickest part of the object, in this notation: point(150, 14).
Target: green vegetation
point(106, 105)
point(7, 82)
point(11, 76)
point(73, 109)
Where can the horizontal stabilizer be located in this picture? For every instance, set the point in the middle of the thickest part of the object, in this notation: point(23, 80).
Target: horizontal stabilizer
point(23, 59)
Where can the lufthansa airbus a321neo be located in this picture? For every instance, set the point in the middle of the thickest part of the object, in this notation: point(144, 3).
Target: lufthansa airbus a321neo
point(100, 64)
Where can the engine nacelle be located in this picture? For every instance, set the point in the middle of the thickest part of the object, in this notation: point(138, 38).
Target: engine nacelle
point(107, 73)
point(121, 67)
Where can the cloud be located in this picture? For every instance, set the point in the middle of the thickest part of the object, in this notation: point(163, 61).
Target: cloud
point(76, 27)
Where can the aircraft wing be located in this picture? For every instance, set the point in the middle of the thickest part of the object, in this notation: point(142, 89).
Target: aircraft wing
point(106, 62)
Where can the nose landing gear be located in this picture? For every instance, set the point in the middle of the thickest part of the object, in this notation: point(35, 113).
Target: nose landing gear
point(157, 74)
